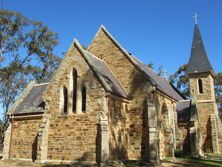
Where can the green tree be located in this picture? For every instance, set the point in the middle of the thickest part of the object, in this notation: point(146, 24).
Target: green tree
point(26, 53)
point(180, 81)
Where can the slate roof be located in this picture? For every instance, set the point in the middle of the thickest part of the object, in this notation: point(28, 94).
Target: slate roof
point(198, 61)
point(183, 110)
point(103, 73)
point(33, 101)
point(161, 84)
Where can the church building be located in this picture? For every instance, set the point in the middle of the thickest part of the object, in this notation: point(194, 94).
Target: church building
point(103, 104)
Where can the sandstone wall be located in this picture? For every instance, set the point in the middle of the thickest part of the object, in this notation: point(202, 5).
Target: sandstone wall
point(119, 131)
point(184, 142)
point(208, 86)
point(166, 125)
point(133, 82)
point(204, 111)
point(24, 138)
point(206, 106)
point(74, 136)
point(136, 86)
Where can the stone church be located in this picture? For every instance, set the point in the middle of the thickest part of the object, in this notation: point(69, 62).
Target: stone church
point(103, 104)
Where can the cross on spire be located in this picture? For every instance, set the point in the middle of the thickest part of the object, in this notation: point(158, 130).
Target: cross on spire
point(195, 17)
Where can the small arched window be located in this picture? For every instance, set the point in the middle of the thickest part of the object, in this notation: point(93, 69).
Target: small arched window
point(83, 99)
point(200, 86)
point(74, 77)
point(65, 96)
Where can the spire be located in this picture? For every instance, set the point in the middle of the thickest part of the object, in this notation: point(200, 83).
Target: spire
point(199, 61)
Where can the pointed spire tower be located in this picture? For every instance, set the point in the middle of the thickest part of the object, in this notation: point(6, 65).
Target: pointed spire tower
point(201, 82)
point(199, 61)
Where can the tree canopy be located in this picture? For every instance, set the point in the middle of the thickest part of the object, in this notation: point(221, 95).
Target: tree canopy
point(26, 53)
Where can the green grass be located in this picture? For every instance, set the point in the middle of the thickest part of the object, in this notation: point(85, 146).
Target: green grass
point(200, 162)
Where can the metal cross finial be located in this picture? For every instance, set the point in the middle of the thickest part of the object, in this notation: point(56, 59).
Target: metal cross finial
point(195, 17)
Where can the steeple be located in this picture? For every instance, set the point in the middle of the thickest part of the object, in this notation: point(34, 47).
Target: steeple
point(199, 61)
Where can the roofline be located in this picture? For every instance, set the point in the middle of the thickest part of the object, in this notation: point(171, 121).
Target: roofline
point(27, 116)
point(40, 84)
point(118, 97)
point(79, 47)
point(28, 113)
point(167, 96)
point(212, 72)
point(110, 72)
point(24, 93)
point(128, 56)
point(181, 95)
point(185, 100)
point(123, 50)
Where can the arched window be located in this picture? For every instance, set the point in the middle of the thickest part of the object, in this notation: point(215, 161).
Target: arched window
point(83, 99)
point(200, 85)
point(74, 77)
point(65, 96)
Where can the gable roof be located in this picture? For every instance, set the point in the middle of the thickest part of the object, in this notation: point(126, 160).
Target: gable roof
point(33, 101)
point(103, 73)
point(198, 61)
point(183, 110)
point(161, 84)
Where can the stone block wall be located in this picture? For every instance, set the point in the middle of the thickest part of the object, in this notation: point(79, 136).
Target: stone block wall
point(184, 139)
point(216, 132)
point(133, 82)
point(73, 136)
point(24, 138)
point(206, 105)
point(119, 130)
point(208, 86)
point(204, 112)
point(104, 48)
point(166, 127)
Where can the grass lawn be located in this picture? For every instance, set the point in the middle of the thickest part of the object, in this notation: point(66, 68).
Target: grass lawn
point(170, 162)
point(178, 162)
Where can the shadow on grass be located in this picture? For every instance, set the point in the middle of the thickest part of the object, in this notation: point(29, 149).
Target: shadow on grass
point(192, 163)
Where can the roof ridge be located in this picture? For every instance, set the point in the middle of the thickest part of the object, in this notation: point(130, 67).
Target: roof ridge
point(93, 55)
point(185, 100)
point(122, 49)
point(40, 84)
point(22, 96)
point(108, 68)
point(149, 68)
point(132, 60)
point(94, 70)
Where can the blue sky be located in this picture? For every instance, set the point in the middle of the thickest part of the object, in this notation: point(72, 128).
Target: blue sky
point(157, 31)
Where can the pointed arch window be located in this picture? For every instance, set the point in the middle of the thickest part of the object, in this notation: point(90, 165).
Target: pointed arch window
point(200, 86)
point(65, 100)
point(83, 99)
point(74, 77)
